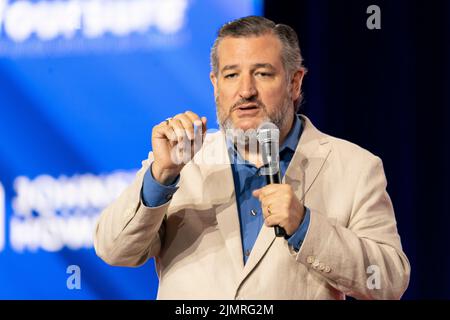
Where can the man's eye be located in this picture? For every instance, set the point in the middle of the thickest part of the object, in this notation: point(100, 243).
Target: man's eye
point(264, 74)
point(231, 75)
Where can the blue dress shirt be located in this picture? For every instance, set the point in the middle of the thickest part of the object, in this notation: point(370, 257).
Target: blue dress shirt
point(247, 178)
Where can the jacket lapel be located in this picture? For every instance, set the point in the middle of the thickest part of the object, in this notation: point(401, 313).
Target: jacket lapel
point(309, 158)
point(219, 191)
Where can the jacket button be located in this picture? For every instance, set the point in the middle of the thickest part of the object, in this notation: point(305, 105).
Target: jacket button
point(321, 266)
point(327, 269)
point(310, 259)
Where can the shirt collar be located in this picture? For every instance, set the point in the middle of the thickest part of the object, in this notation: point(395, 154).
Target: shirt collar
point(293, 136)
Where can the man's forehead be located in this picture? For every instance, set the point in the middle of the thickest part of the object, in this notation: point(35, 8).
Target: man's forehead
point(230, 42)
point(264, 49)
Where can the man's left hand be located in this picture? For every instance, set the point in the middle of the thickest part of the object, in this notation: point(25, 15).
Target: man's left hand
point(280, 207)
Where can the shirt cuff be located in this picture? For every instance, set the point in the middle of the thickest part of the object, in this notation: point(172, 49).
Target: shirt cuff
point(297, 238)
point(155, 194)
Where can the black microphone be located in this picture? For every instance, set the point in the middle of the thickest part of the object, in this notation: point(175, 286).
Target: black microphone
point(268, 136)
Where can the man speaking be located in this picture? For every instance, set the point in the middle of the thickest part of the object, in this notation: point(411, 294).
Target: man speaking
point(201, 205)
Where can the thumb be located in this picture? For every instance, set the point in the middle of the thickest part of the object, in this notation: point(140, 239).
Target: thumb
point(204, 121)
point(256, 193)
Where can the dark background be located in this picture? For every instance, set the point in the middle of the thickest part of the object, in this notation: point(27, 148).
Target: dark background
point(388, 91)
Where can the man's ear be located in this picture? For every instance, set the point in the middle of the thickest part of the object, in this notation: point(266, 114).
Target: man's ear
point(213, 79)
point(296, 83)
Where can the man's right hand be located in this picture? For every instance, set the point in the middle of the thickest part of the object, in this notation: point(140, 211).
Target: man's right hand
point(174, 143)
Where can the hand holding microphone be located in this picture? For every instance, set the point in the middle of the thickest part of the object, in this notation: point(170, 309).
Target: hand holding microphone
point(281, 207)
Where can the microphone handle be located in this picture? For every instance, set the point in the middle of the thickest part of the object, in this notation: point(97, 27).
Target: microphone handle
point(276, 178)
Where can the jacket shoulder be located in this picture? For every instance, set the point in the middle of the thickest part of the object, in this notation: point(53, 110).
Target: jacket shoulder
point(350, 152)
point(347, 151)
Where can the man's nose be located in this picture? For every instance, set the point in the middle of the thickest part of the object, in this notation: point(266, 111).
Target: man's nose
point(247, 87)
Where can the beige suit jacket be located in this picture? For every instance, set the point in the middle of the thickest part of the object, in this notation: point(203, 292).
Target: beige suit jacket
point(352, 246)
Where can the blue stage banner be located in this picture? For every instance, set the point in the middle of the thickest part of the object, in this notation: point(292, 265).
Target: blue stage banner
point(82, 83)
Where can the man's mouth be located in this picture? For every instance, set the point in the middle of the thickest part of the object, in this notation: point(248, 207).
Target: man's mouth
point(247, 107)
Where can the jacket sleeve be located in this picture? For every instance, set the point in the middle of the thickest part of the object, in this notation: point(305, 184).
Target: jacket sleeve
point(363, 259)
point(127, 232)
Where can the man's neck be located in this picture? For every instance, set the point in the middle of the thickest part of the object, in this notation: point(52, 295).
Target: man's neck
point(284, 132)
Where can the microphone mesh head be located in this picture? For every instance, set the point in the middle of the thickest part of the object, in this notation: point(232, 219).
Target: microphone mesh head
point(268, 132)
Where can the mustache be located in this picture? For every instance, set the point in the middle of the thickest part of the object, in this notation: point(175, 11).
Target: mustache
point(247, 101)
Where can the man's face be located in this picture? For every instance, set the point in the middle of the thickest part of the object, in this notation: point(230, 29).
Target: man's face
point(251, 85)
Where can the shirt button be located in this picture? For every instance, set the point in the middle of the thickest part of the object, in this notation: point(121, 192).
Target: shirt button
point(247, 252)
point(169, 196)
point(253, 212)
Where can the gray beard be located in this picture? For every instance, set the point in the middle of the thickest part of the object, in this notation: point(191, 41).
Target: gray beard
point(245, 138)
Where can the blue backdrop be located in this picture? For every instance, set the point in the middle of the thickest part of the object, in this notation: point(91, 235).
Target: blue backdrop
point(81, 86)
